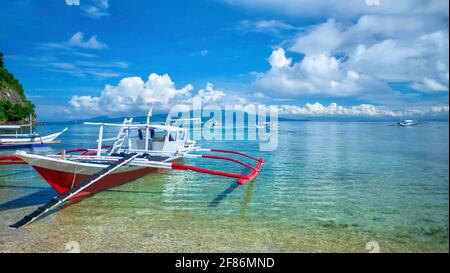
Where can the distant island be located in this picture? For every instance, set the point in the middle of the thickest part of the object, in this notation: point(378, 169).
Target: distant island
point(14, 105)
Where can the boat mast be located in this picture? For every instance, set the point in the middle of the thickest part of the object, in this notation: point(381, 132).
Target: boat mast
point(31, 124)
point(147, 128)
point(100, 139)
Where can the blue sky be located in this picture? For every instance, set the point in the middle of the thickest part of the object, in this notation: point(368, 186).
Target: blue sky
point(86, 58)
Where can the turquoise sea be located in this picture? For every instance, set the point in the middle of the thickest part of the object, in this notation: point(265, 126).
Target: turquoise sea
point(328, 187)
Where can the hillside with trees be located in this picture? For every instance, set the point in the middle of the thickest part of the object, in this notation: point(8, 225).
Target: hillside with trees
point(14, 105)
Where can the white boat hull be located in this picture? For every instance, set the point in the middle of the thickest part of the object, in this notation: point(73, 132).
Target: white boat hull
point(31, 140)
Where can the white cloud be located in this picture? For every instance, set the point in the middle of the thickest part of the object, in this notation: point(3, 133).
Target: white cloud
point(103, 3)
point(360, 59)
point(400, 26)
point(86, 68)
point(81, 70)
point(333, 109)
point(429, 85)
point(210, 95)
point(362, 110)
point(86, 55)
point(102, 64)
point(132, 94)
point(72, 2)
point(77, 40)
point(278, 59)
point(322, 38)
point(320, 74)
point(404, 60)
point(98, 9)
point(373, 2)
point(341, 9)
point(264, 26)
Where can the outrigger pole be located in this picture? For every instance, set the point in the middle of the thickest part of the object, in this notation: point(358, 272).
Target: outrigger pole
point(242, 179)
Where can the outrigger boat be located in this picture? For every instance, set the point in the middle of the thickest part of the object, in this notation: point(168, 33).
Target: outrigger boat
point(15, 140)
point(137, 150)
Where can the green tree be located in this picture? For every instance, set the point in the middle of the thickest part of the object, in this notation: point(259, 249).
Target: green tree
point(13, 111)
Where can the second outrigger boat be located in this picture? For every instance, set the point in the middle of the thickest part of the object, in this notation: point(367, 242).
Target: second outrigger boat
point(138, 149)
point(14, 140)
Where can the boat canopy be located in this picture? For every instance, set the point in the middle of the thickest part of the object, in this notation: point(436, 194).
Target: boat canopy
point(167, 128)
point(10, 127)
point(139, 126)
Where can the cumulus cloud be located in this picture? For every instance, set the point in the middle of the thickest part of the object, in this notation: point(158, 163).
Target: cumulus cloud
point(278, 59)
point(132, 94)
point(360, 59)
point(210, 95)
point(320, 74)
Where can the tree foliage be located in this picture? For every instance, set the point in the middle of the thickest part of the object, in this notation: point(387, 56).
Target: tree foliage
point(15, 111)
point(10, 111)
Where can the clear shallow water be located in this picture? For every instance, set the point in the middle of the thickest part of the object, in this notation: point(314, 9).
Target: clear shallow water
point(328, 187)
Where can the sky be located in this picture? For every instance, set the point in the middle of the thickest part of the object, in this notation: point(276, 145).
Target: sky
point(305, 58)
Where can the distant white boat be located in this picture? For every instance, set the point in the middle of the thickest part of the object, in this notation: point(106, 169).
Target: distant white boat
point(13, 139)
point(407, 123)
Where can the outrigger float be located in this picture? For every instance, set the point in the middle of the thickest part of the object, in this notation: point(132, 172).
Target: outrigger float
point(138, 150)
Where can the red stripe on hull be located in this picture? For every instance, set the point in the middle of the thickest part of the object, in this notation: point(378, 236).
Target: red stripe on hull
point(62, 181)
